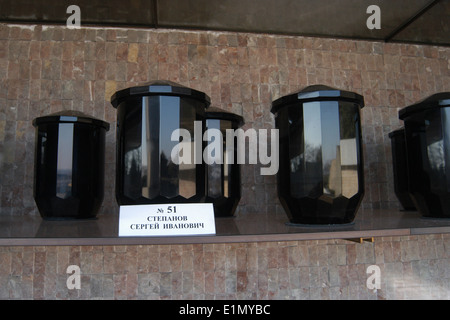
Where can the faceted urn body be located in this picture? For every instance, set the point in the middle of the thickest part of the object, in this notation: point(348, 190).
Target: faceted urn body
point(400, 169)
point(320, 177)
point(69, 165)
point(150, 120)
point(223, 177)
point(427, 132)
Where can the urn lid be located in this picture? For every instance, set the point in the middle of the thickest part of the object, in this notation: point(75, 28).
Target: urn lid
point(317, 93)
point(398, 132)
point(159, 87)
point(437, 100)
point(70, 116)
point(220, 114)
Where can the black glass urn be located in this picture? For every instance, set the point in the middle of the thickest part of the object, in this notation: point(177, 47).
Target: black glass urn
point(223, 175)
point(320, 177)
point(69, 165)
point(400, 169)
point(157, 123)
point(427, 133)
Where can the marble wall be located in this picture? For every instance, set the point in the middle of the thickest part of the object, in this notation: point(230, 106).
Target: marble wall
point(413, 267)
point(44, 69)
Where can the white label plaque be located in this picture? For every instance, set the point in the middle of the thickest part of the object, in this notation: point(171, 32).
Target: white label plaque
point(166, 220)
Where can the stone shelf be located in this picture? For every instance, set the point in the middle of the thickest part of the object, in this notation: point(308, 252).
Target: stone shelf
point(33, 231)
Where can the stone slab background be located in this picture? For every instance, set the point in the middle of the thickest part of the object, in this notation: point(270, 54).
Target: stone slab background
point(413, 267)
point(44, 69)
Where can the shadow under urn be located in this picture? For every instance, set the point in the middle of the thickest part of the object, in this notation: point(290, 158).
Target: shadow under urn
point(321, 173)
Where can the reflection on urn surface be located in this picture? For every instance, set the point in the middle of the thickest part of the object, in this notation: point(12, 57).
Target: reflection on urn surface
point(343, 177)
point(69, 165)
point(400, 169)
point(223, 179)
point(320, 180)
point(427, 134)
point(147, 117)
